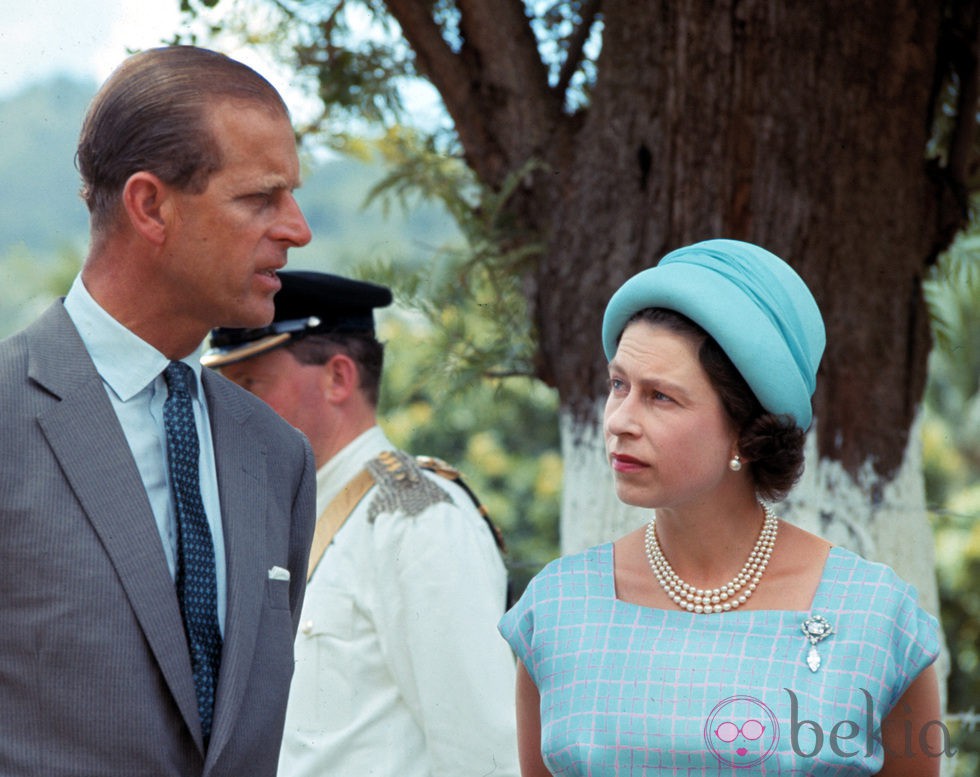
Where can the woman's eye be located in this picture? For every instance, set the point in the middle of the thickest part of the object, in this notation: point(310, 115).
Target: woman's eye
point(615, 384)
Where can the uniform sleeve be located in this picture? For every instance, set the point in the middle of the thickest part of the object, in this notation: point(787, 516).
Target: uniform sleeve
point(442, 586)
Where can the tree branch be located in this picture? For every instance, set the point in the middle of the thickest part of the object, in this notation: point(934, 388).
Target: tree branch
point(499, 33)
point(433, 56)
point(495, 88)
point(576, 46)
point(521, 112)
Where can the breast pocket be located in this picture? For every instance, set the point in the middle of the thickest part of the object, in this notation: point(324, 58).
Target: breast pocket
point(323, 683)
point(278, 594)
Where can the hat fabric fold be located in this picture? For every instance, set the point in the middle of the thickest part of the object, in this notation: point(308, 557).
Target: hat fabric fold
point(755, 306)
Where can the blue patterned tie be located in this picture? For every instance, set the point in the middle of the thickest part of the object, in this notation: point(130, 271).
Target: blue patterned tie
point(196, 579)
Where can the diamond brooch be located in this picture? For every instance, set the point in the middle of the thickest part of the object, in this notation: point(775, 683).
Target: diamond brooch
point(815, 628)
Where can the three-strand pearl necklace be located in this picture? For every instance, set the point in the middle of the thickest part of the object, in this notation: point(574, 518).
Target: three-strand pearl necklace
point(726, 597)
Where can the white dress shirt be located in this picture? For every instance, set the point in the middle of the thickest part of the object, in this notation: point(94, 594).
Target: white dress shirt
point(131, 370)
point(400, 671)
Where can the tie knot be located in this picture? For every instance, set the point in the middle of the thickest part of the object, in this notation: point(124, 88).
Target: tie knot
point(178, 376)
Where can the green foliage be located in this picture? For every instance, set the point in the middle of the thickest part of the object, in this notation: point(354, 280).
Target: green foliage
point(30, 285)
point(958, 569)
point(501, 434)
point(951, 459)
point(349, 55)
point(458, 371)
point(953, 294)
point(952, 417)
point(469, 291)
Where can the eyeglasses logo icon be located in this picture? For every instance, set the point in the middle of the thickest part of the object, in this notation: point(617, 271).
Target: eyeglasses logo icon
point(741, 732)
point(751, 730)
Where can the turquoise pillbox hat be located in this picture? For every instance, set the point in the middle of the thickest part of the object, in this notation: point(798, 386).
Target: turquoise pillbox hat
point(751, 302)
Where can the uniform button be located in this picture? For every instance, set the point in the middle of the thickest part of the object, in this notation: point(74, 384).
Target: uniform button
point(307, 627)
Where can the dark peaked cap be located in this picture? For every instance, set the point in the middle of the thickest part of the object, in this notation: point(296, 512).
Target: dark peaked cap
point(308, 303)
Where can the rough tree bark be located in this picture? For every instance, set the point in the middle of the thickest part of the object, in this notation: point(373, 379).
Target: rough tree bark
point(799, 126)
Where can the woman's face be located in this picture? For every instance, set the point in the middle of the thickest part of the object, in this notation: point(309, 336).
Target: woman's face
point(668, 437)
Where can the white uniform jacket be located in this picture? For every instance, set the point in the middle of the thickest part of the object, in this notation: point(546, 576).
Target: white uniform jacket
point(400, 670)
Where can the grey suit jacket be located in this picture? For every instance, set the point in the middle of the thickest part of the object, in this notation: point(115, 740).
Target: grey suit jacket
point(95, 675)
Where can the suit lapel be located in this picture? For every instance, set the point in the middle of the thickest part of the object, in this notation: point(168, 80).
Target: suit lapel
point(241, 464)
point(90, 446)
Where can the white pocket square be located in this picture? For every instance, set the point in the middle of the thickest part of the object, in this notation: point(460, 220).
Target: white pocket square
point(278, 573)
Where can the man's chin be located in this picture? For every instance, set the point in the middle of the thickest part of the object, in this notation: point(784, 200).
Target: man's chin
point(255, 316)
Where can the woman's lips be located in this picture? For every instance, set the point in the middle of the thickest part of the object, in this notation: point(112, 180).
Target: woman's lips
point(624, 463)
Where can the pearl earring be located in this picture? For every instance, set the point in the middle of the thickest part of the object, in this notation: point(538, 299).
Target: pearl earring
point(735, 464)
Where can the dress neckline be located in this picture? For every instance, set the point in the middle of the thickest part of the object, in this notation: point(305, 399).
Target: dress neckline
point(817, 604)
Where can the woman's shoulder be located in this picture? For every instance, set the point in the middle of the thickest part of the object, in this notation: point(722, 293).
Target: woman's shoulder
point(808, 563)
point(581, 571)
point(565, 585)
point(837, 562)
point(874, 591)
point(848, 568)
point(873, 596)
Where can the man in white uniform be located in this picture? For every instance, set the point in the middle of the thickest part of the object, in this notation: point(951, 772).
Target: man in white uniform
point(399, 667)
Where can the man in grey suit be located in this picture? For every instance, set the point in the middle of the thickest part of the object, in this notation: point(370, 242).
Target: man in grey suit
point(156, 522)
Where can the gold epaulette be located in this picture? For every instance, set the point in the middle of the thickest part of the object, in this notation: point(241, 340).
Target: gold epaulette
point(401, 486)
point(449, 472)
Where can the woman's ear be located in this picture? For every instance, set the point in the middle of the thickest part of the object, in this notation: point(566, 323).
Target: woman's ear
point(147, 202)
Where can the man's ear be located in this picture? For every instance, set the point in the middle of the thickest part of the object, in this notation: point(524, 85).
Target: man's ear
point(341, 378)
point(147, 201)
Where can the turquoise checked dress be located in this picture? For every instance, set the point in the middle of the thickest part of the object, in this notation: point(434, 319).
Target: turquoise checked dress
point(628, 690)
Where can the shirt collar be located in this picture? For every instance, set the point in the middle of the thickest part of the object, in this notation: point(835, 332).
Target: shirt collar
point(126, 362)
point(347, 462)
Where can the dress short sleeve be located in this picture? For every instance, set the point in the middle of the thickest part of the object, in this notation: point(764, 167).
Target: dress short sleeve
point(915, 636)
point(517, 626)
point(557, 607)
